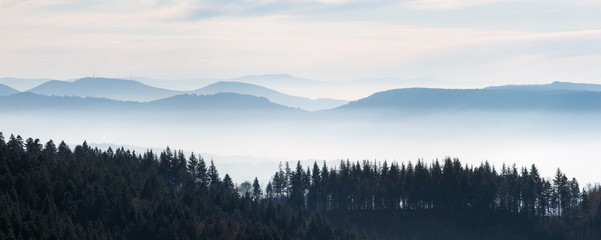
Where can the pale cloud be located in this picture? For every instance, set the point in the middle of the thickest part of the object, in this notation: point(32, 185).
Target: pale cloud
point(194, 9)
point(449, 4)
point(157, 39)
point(460, 4)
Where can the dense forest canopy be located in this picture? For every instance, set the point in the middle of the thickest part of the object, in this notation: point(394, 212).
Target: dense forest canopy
point(446, 186)
point(55, 192)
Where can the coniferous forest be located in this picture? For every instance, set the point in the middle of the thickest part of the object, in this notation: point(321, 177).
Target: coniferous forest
point(50, 191)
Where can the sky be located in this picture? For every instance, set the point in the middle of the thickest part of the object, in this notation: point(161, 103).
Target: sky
point(462, 43)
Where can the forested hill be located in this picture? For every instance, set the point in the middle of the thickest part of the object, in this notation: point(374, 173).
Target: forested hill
point(28, 101)
point(55, 192)
point(431, 99)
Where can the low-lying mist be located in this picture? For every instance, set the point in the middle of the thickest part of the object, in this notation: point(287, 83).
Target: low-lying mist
point(249, 144)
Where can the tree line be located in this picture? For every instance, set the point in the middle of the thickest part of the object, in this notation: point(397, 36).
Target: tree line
point(55, 192)
point(448, 188)
point(449, 185)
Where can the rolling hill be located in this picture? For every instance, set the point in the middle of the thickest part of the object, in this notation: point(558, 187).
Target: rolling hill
point(552, 86)
point(28, 101)
point(429, 99)
point(6, 90)
point(118, 89)
point(557, 96)
point(272, 95)
point(218, 101)
point(23, 84)
point(129, 90)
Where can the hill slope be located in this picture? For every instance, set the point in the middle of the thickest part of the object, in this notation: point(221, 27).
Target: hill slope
point(272, 95)
point(6, 90)
point(23, 84)
point(28, 101)
point(479, 99)
point(118, 89)
point(219, 101)
point(552, 86)
point(184, 102)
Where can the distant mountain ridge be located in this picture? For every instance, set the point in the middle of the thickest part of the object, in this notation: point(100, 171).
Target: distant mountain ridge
point(429, 99)
point(6, 90)
point(272, 95)
point(27, 101)
point(119, 89)
point(410, 99)
point(130, 90)
point(553, 96)
point(557, 85)
point(185, 102)
point(218, 101)
point(23, 84)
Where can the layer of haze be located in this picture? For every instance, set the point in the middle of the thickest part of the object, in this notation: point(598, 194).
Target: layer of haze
point(570, 142)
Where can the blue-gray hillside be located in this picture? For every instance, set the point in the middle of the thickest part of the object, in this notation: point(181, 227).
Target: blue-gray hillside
point(219, 101)
point(28, 101)
point(552, 86)
point(271, 95)
point(23, 84)
point(427, 99)
point(118, 89)
point(6, 90)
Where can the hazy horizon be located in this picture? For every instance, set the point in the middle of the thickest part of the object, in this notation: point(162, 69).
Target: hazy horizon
point(549, 140)
point(349, 90)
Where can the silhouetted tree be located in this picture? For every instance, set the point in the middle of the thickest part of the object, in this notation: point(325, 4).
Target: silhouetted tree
point(213, 175)
point(256, 190)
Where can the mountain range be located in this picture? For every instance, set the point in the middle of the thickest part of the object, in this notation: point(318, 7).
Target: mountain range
point(218, 101)
point(272, 95)
point(120, 93)
point(118, 89)
point(410, 99)
point(553, 86)
point(346, 89)
point(28, 101)
point(130, 90)
point(424, 99)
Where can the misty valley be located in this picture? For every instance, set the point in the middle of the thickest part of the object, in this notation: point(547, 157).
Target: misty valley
point(244, 126)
